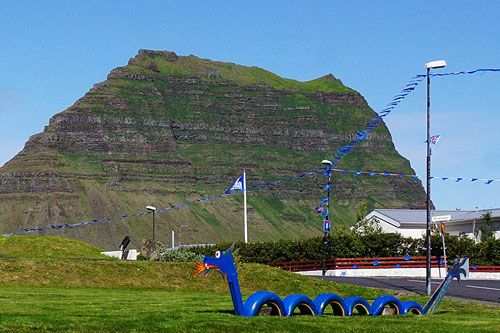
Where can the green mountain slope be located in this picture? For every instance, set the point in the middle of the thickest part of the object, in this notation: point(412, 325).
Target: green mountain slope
point(167, 129)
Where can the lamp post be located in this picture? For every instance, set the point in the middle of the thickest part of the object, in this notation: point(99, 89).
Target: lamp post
point(325, 237)
point(428, 66)
point(152, 209)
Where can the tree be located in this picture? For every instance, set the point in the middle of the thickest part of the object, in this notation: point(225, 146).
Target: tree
point(363, 226)
point(487, 229)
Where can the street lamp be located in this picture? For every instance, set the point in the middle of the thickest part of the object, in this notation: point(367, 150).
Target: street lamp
point(152, 209)
point(325, 237)
point(428, 66)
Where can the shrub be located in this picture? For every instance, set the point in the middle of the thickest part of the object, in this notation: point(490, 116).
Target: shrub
point(490, 252)
point(180, 255)
point(349, 245)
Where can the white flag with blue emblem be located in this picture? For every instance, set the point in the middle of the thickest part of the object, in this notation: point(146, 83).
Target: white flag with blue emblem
point(239, 184)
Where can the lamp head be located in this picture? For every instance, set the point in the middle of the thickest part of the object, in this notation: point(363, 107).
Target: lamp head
point(327, 162)
point(436, 64)
point(151, 208)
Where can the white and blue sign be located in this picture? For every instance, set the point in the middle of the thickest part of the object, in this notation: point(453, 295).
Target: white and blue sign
point(326, 226)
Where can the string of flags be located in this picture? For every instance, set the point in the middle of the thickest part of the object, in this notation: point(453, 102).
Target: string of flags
point(479, 70)
point(339, 154)
point(400, 175)
point(321, 209)
point(410, 86)
point(231, 191)
point(370, 125)
point(361, 135)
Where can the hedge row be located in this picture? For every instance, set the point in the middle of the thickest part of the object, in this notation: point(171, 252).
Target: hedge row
point(348, 245)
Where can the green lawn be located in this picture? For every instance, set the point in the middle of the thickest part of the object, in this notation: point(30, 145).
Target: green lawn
point(149, 310)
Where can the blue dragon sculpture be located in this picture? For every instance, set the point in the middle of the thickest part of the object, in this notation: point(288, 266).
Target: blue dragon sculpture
point(267, 303)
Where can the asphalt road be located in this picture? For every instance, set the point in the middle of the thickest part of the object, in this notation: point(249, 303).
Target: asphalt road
point(478, 290)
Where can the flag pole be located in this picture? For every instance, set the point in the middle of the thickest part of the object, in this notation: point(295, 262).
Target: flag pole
point(245, 206)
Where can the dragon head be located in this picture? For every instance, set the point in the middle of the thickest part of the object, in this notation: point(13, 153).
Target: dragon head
point(226, 262)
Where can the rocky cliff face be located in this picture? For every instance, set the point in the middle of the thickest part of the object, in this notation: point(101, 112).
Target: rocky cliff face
point(167, 129)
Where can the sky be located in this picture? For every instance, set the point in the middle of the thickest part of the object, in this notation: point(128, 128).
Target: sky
point(53, 52)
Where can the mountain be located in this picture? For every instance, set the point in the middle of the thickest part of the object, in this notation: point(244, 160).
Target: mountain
point(167, 129)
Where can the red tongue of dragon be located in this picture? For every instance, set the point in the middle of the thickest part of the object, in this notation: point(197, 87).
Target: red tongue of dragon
point(201, 267)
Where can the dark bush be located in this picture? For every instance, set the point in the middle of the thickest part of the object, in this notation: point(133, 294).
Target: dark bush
point(348, 245)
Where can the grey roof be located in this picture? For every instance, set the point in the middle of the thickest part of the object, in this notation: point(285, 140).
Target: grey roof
point(477, 214)
point(420, 215)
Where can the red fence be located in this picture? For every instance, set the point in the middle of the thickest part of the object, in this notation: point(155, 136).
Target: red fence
point(475, 268)
point(371, 263)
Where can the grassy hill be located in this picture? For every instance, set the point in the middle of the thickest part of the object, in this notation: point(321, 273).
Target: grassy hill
point(108, 296)
point(46, 247)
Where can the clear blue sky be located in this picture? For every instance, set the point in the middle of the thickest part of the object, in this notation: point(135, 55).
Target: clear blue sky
point(52, 52)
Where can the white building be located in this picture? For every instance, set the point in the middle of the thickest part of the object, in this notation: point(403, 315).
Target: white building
point(413, 222)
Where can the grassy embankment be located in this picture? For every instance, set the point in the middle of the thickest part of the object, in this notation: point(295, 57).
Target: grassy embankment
point(83, 295)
